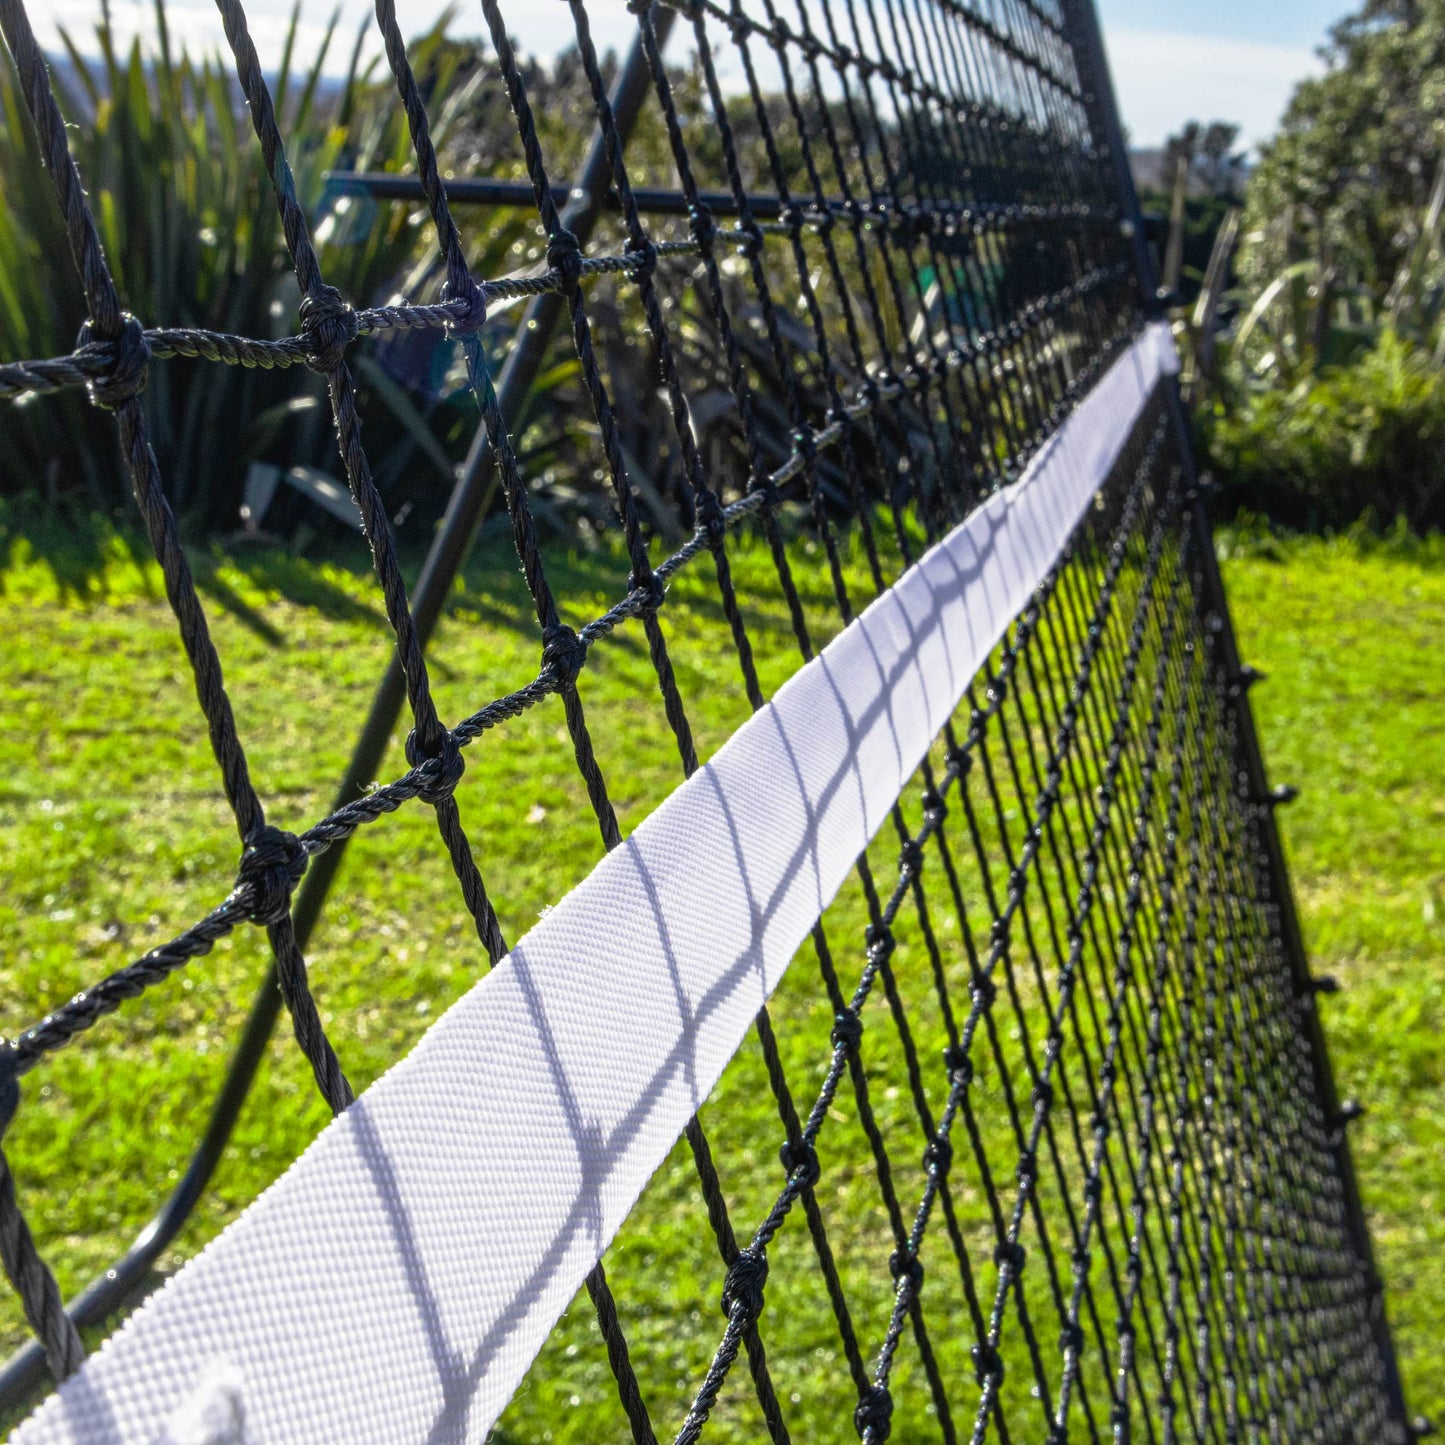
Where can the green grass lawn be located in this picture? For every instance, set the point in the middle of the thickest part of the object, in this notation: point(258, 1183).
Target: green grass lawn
point(113, 833)
point(1353, 712)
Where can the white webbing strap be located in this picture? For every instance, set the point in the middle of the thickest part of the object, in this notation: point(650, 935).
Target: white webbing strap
point(397, 1281)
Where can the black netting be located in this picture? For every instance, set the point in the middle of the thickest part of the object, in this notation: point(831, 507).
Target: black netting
point(1059, 1156)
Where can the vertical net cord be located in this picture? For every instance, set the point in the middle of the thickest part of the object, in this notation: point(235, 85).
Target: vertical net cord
point(330, 323)
point(720, 113)
point(272, 860)
point(845, 1047)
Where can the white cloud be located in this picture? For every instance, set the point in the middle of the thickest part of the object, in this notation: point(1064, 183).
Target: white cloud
point(1164, 79)
point(537, 28)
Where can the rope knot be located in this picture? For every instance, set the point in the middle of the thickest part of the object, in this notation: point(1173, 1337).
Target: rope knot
point(1010, 1256)
point(564, 257)
point(847, 1032)
point(793, 217)
point(468, 304)
point(920, 220)
point(801, 1159)
point(749, 239)
point(710, 518)
point(767, 488)
point(874, 1414)
point(271, 867)
point(805, 443)
point(703, 224)
point(330, 327)
point(642, 259)
point(881, 944)
point(938, 1157)
point(743, 1287)
point(130, 360)
point(906, 1267)
point(563, 654)
point(987, 1363)
point(651, 590)
point(959, 1065)
point(442, 768)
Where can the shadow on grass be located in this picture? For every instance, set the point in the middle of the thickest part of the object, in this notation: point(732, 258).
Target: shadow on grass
point(91, 558)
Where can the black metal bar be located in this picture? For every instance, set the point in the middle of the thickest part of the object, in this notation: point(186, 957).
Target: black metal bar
point(1088, 44)
point(26, 1370)
point(763, 206)
point(479, 191)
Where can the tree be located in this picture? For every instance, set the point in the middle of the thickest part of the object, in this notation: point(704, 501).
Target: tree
point(1218, 164)
point(1207, 154)
point(1181, 148)
point(1358, 150)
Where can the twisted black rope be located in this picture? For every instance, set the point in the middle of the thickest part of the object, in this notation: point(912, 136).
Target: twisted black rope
point(99, 359)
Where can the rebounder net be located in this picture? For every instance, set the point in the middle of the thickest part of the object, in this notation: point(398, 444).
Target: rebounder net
point(938, 1060)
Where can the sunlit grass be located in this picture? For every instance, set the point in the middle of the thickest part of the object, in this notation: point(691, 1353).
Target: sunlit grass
point(113, 834)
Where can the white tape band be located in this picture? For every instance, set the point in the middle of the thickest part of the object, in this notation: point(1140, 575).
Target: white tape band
point(397, 1281)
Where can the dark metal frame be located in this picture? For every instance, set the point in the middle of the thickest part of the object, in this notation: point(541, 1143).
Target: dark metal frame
point(470, 191)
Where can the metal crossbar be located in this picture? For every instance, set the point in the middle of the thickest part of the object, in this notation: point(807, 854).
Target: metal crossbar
point(1107, 1175)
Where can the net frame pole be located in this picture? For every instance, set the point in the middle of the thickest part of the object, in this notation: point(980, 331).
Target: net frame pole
point(477, 191)
point(1086, 37)
point(472, 494)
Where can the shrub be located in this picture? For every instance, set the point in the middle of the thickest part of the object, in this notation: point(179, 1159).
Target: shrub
point(187, 216)
point(1363, 438)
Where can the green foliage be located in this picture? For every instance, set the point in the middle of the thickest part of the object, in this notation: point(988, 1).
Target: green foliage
point(1330, 400)
point(1354, 440)
point(186, 214)
point(1352, 166)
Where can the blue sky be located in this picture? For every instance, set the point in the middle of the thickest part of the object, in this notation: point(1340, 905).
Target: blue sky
point(1225, 59)
point(1173, 60)
point(1297, 23)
